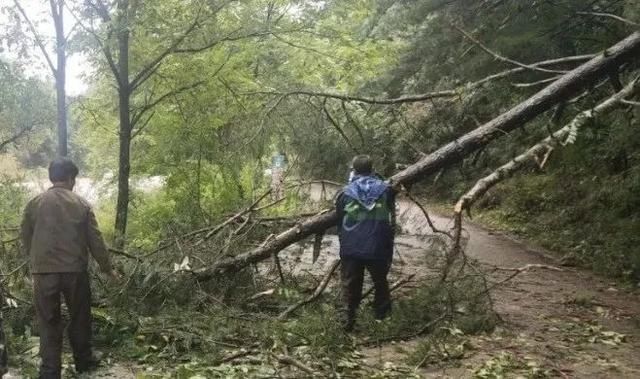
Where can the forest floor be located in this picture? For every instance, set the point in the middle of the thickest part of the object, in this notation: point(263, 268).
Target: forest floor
point(566, 324)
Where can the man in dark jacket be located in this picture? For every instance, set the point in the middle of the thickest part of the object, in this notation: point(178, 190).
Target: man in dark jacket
point(58, 230)
point(366, 214)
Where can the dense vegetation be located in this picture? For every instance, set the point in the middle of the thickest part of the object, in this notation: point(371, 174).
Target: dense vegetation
point(204, 93)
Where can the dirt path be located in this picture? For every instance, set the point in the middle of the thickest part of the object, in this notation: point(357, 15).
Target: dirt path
point(569, 324)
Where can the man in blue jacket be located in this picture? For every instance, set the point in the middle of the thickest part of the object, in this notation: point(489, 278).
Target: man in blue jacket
point(366, 213)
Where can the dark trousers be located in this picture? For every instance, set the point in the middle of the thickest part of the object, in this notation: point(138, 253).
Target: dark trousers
point(48, 289)
point(352, 276)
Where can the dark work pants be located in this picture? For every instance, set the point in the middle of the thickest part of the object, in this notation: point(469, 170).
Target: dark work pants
point(352, 276)
point(48, 288)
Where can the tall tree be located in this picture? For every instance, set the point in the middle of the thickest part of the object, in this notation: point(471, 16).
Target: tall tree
point(59, 69)
point(161, 31)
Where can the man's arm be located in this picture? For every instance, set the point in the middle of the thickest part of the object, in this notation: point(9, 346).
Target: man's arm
point(26, 229)
point(340, 209)
point(96, 244)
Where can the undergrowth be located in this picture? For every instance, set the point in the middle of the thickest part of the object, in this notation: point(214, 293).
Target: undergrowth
point(591, 222)
point(165, 323)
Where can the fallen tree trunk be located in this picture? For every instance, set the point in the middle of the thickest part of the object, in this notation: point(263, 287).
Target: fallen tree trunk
point(552, 141)
point(559, 91)
point(545, 146)
point(313, 225)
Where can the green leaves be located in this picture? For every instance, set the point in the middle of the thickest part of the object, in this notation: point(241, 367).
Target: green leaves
point(507, 365)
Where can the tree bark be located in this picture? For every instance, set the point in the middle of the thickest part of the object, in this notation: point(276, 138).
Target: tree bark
point(552, 141)
point(124, 172)
point(60, 75)
point(124, 161)
point(561, 90)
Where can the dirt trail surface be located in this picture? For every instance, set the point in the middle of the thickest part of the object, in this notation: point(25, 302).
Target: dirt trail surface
point(569, 324)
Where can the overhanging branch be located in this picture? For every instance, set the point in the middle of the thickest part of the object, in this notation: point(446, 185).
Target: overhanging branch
point(609, 15)
point(503, 58)
point(428, 95)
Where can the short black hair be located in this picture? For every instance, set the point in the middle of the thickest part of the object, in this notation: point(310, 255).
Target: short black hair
point(362, 165)
point(62, 169)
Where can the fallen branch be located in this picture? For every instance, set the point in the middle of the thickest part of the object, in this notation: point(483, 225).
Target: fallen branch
point(15, 270)
point(528, 267)
point(230, 220)
point(503, 58)
point(398, 284)
point(550, 62)
point(238, 354)
point(428, 326)
point(536, 83)
point(302, 230)
point(505, 171)
point(519, 270)
point(609, 15)
point(630, 102)
point(317, 246)
point(321, 287)
point(568, 85)
point(426, 215)
point(309, 182)
point(276, 261)
point(122, 253)
point(288, 360)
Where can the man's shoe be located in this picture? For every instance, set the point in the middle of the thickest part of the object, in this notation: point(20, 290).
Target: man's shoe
point(90, 365)
point(348, 325)
point(382, 312)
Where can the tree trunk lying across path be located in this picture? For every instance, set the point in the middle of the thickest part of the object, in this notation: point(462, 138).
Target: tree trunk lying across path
point(554, 140)
point(561, 90)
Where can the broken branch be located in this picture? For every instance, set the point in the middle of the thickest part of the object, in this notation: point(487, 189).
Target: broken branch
point(609, 15)
point(321, 287)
